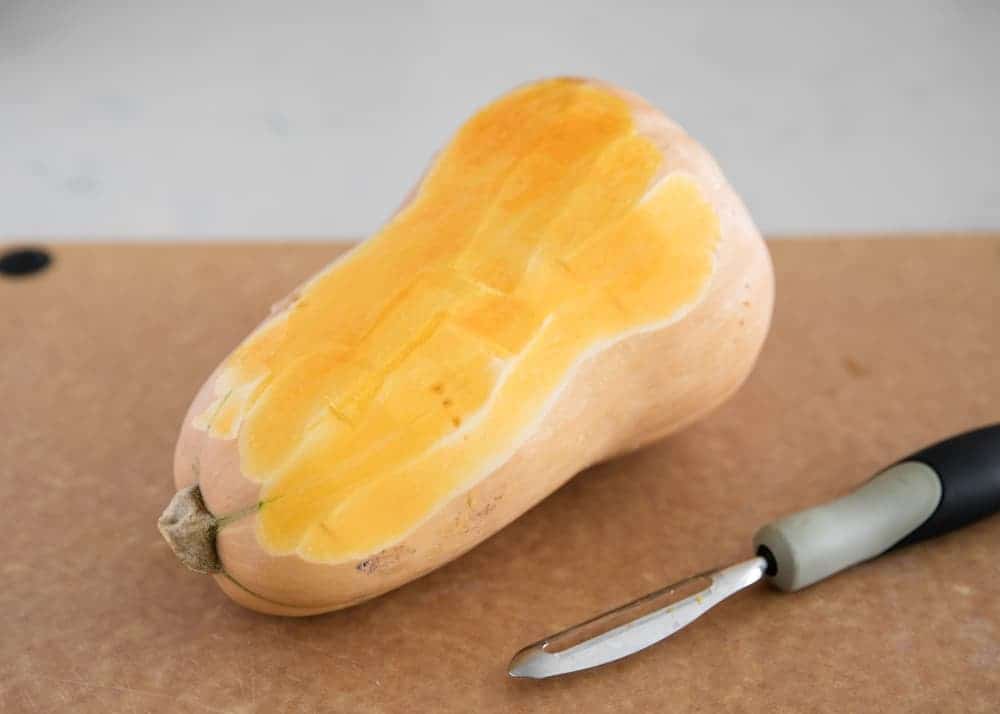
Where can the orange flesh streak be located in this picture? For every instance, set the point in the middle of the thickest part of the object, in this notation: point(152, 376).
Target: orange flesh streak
point(416, 365)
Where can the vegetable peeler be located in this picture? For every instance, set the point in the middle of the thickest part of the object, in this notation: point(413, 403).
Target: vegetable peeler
point(934, 491)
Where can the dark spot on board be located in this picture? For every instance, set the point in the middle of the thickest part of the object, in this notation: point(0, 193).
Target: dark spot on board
point(855, 368)
point(21, 262)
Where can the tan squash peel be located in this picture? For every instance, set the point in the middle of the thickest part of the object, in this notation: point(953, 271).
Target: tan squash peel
point(571, 279)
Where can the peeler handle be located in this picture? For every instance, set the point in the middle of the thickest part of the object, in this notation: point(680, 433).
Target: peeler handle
point(936, 490)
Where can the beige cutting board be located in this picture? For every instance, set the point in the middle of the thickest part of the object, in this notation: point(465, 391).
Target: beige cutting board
point(878, 347)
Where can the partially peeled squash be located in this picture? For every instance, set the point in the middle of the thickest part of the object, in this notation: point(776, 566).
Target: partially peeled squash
point(572, 278)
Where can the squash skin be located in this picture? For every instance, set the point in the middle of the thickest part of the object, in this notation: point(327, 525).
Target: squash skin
point(636, 391)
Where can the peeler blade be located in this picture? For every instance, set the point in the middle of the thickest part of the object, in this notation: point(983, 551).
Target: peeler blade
point(635, 625)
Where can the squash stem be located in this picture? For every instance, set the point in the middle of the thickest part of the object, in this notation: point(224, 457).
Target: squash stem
point(190, 529)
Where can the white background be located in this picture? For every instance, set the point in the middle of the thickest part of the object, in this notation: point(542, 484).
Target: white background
point(311, 119)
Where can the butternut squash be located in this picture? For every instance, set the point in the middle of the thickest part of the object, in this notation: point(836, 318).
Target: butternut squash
point(572, 278)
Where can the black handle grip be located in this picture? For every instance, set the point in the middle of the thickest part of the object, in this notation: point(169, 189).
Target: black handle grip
point(968, 466)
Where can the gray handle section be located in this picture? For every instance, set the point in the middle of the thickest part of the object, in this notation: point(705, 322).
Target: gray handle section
point(811, 545)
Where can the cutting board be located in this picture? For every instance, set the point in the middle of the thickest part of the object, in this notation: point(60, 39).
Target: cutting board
point(878, 347)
